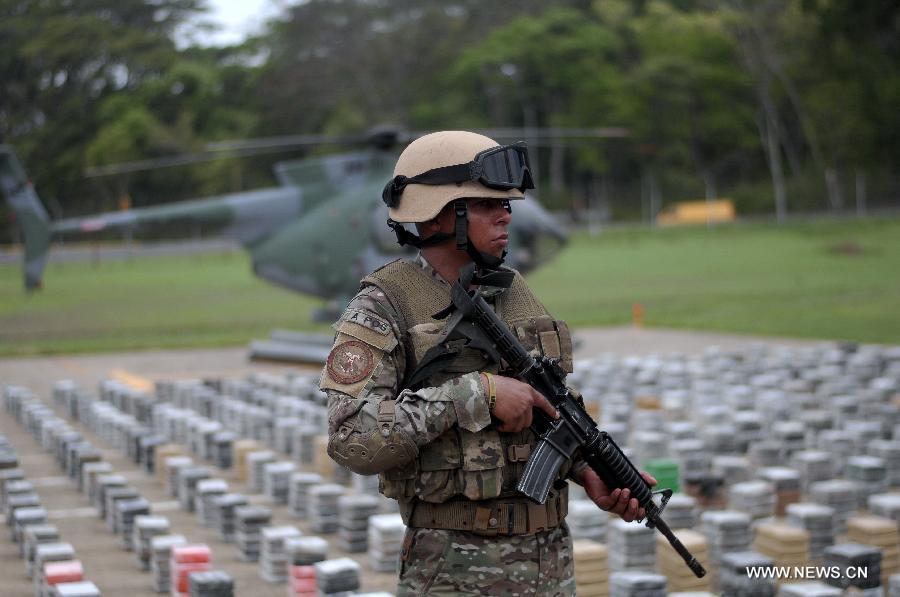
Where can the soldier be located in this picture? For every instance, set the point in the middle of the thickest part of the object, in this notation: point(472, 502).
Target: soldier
point(449, 441)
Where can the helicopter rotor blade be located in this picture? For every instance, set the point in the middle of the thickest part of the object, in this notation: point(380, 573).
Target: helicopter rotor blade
point(544, 135)
point(383, 137)
point(246, 148)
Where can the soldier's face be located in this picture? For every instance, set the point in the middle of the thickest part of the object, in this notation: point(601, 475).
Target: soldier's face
point(488, 222)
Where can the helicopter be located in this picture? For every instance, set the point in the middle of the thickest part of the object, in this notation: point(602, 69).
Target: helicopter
point(317, 233)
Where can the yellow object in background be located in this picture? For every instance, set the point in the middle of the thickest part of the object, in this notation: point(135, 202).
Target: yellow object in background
point(697, 212)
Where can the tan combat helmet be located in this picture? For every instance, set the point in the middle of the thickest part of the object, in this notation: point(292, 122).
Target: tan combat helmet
point(422, 202)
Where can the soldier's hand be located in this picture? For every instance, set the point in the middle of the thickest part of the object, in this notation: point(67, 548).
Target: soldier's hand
point(515, 401)
point(618, 501)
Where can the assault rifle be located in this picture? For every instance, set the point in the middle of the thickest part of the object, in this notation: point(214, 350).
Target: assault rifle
point(473, 319)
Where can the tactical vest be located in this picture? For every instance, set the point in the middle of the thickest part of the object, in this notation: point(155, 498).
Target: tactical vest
point(482, 465)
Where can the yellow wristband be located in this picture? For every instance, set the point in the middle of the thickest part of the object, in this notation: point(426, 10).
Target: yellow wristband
point(492, 391)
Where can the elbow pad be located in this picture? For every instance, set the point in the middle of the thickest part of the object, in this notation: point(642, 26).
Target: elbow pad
point(372, 451)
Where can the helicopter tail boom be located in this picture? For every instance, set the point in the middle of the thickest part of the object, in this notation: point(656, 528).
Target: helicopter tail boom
point(29, 213)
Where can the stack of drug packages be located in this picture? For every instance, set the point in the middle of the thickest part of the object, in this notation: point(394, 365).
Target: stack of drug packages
point(870, 475)
point(813, 466)
point(33, 536)
point(585, 521)
point(385, 539)
point(860, 566)
point(637, 583)
point(144, 530)
point(224, 520)
point(171, 472)
point(184, 560)
point(757, 498)
point(786, 482)
point(591, 568)
point(673, 567)
point(242, 448)
point(734, 577)
point(818, 521)
point(886, 505)
point(839, 494)
point(894, 586)
point(59, 572)
point(787, 545)
point(881, 533)
point(322, 507)
point(298, 492)
point(353, 521)
point(727, 531)
point(46, 553)
point(302, 553)
point(126, 512)
point(250, 521)
point(75, 589)
point(682, 512)
point(632, 546)
point(889, 452)
point(276, 480)
point(274, 559)
point(808, 589)
point(207, 491)
point(161, 558)
point(327, 577)
point(256, 466)
point(211, 583)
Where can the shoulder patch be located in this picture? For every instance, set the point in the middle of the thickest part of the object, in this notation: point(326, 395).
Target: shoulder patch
point(350, 362)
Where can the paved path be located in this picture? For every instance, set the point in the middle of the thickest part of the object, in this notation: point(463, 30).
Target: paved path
point(39, 373)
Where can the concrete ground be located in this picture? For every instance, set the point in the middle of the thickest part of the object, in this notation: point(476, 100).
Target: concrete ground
point(114, 570)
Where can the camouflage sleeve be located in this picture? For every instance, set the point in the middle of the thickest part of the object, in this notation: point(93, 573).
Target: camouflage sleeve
point(371, 428)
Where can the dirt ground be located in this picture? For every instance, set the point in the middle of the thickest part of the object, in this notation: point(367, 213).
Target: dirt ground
point(114, 570)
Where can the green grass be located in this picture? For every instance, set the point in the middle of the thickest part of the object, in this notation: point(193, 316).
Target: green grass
point(754, 279)
point(151, 302)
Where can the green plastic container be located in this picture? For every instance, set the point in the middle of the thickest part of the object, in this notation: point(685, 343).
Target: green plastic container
point(665, 471)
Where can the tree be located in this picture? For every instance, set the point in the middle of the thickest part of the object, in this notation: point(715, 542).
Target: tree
point(687, 98)
point(60, 60)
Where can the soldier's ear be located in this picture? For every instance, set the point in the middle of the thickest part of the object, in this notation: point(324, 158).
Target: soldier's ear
point(428, 227)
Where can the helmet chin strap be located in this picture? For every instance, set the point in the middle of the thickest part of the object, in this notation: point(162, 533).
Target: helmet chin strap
point(487, 265)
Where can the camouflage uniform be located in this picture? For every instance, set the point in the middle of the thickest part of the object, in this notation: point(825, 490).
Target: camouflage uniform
point(437, 445)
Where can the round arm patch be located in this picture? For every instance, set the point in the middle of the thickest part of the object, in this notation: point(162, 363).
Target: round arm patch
point(350, 362)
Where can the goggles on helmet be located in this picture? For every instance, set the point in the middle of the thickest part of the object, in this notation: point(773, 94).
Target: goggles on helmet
point(504, 167)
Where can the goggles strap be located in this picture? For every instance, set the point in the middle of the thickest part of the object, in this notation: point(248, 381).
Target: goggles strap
point(437, 176)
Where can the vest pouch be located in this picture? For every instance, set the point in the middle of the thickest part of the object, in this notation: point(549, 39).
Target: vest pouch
point(438, 463)
point(565, 345)
point(483, 462)
point(466, 361)
point(528, 331)
point(546, 336)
